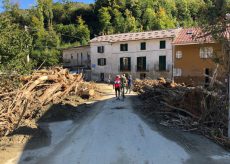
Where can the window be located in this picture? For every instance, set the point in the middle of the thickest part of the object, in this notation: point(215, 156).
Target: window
point(162, 44)
point(100, 49)
point(141, 63)
point(143, 46)
point(125, 64)
point(179, 54)
point(77, 58)
point(162, 63)
point(206, 52)
point(123, 47)
point(81, 58)
point(101, 61)
point(177, 72)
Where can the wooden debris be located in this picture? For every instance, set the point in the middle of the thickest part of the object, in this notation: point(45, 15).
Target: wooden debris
point(39, 89)
point(189, 108)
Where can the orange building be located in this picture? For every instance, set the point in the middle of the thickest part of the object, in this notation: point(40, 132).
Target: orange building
point(193, 57)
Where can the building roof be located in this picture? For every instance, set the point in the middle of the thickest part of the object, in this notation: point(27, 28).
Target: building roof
point(160, 34)
point(192, 36)
point(75, 47)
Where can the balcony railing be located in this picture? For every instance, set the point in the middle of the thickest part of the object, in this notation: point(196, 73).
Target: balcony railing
point(142, 69)
point(124, 69)
point(167, 69)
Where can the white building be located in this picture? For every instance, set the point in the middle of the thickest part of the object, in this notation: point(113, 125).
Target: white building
point(78, 59)
point(142, 54)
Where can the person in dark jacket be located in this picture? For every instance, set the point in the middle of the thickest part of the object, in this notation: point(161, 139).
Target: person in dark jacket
point(129, 84)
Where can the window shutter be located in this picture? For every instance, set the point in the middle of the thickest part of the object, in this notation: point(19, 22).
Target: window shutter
point(162, 63)
point(104, 61)
point(102, 49)
point(126, 47)
point(144, 63)
point(129, 64)
point(121, 64)
point(98, 62)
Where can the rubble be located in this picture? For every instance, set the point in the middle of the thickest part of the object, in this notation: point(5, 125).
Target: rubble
point(35, 92)
point(190, 108)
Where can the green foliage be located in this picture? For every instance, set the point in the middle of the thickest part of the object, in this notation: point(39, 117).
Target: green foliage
point(15, 45)
point(131, 23)
point(104, 19)
point(66, 23)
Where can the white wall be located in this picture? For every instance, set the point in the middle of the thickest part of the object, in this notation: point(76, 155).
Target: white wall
point(113, 54)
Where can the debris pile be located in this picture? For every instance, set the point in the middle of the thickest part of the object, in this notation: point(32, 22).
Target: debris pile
point(190, 108)
point(38, 90)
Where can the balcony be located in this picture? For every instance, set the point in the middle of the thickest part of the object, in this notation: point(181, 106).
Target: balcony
point(142, 69)
point(124, 69)
point(167, 69)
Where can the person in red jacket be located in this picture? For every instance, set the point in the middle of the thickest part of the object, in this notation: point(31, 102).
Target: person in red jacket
point(117, 86)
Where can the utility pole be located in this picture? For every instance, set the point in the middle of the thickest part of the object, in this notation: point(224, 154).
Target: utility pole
point(28, 55)
point(228, 53)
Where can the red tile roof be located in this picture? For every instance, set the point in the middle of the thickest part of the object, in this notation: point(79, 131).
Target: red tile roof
point(192, 36)
point(171, 33)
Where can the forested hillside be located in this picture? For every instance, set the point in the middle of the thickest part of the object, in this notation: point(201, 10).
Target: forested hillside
point(42, 30)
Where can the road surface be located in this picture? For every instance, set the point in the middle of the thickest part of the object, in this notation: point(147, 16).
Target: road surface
point(114, 134)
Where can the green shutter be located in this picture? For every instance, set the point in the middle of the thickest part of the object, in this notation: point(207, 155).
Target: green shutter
point(162, 63)
point(162, 44)
point(105, 60)
point(144, 63)
point(121, 64)
point(98, 61)
point(129, 64)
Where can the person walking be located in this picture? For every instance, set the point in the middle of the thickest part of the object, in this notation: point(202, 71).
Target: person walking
point(129, 85)
point(117, 87)
point(123, 85)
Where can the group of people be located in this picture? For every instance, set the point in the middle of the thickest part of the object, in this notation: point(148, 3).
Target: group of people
point(122, 85)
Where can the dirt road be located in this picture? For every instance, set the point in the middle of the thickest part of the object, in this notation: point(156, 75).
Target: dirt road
point(112, 133)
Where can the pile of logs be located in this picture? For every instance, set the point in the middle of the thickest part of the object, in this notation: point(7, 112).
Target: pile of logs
point(190, 108)
point(38, 90)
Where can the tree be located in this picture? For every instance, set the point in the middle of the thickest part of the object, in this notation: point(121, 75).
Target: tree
point(83, 32)
point(131, 23)
point(15, 45)
point(118, 21)
point(216, 22)
point(104, 19)
point(163, 20)
point(149, 19)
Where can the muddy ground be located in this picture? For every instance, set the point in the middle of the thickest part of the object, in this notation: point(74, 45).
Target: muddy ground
point(32, 134)
point(105, 130)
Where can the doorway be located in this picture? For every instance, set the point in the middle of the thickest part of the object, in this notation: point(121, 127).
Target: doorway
point(102, 76)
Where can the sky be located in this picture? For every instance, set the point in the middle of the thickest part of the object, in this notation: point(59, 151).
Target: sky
point(25, 4)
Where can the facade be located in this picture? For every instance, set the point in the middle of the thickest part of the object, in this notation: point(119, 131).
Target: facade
point(193, 57)
point(78, 59)
point(142, 55)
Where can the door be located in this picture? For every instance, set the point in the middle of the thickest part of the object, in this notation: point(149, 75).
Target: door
point(102, 76)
